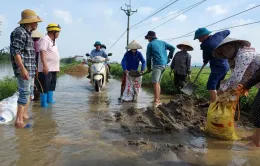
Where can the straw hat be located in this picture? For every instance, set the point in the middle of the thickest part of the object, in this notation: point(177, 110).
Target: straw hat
point(187, 44)
point(36, 34)
point(29, 16)
point(227, 40)
point(134, 46)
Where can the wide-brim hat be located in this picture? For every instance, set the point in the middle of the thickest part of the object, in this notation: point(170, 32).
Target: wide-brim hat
point(151, 34)
point(134, 46)
point(36, 34)
point(186, 44)
point(224, 43)
point(29, 16)
point(201, 32)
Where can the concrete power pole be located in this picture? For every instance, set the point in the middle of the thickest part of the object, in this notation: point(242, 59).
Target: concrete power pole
point(128, 12)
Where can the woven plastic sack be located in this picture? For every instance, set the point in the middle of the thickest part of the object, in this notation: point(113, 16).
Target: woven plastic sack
point(132, 88)
point(220, 117)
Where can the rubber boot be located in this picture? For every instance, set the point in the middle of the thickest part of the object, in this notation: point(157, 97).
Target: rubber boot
point(44, 100)
point(50, 97)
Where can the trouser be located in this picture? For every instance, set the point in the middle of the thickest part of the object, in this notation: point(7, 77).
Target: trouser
point(48, 81)
point(25, 89)
point(179, 81)
point(256, 111)
point(123, 84)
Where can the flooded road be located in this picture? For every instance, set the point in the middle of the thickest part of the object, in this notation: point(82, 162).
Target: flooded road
point(80, 129)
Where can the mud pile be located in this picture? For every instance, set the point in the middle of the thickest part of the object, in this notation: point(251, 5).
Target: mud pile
point(77, 70)
point(179, 114)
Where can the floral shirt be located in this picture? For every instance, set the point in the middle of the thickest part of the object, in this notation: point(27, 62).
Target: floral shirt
point(247, 62)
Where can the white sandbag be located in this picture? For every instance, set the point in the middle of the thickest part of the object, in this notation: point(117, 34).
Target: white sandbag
point(132, 88)
point(8, 108)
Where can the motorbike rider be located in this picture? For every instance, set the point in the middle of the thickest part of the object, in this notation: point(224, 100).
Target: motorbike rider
point(104, 47)
point(98, 52)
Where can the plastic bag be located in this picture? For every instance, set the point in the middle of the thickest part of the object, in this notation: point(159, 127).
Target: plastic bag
point(8, 108)
point(132, 88)
point(220, 117)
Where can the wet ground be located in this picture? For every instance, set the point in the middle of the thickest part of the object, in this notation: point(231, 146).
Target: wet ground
point(83, 128)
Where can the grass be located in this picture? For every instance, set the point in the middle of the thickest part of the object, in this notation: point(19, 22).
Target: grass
point(201, 92)
point(8, 86)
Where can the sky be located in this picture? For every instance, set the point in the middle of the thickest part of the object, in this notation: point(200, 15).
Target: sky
point(85, 21)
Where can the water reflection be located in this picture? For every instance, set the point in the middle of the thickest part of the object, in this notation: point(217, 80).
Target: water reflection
point(6, 70)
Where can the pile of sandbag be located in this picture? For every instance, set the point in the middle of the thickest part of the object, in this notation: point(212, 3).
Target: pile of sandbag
point(8, 108)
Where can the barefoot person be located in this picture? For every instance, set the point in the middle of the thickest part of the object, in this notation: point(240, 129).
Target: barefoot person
point(244, 89)
point(23, 62)
point(131, 61)
point(156, 54)
point(181, 64)
point(49, 63)
point(219, 67)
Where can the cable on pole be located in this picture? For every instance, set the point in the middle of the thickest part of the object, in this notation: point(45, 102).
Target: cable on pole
point(117, 40)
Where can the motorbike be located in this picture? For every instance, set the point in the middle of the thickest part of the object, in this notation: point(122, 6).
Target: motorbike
point(98, 72)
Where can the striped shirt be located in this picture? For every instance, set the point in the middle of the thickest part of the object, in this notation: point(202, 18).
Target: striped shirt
point(95, 53)
point(23, 45)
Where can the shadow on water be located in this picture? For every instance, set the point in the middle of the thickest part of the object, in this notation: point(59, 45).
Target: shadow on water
point(80, 129)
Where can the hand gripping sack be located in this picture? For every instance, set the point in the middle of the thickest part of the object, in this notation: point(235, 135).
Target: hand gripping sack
point(220, 117)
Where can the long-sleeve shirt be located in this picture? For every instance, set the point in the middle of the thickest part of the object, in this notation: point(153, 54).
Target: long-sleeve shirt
point(95, 53)
point(181, 63)
point(157, 53)
point(209, 45)
point(247, 61)
point(131, 61)
point(22, 44)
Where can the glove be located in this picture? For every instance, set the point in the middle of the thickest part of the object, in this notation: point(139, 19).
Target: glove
point(149, 70)
point(241, 90)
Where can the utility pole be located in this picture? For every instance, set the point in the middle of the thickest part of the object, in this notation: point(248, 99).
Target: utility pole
point(129, 12)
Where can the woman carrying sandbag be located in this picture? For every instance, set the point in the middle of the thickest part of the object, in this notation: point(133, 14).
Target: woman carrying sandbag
point(243, 61)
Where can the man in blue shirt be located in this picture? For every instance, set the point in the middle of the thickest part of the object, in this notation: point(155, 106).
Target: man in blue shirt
point(219, 67)
point(131, 61)
point(98, 52)
point(156, 54)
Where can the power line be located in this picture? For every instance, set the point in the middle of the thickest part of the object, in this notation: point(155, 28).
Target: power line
point(154, 13)
point(117, 40)
point(171, 14)
point(232, 27)
point(175, 16)
point(220, 21)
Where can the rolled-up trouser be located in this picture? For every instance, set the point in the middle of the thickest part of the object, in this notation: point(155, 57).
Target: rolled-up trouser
point(215, 78)
point(48, 82)
point(25, 89)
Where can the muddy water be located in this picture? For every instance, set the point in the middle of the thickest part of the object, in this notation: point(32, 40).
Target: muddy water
point(80, 129)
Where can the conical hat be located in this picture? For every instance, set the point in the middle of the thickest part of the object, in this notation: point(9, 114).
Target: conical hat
point(36, 34)
point(226, 41)
point(187, 44)
point(134, 46)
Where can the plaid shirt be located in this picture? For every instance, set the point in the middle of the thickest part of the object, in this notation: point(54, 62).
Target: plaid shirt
point(181, 63)
point(22, 44)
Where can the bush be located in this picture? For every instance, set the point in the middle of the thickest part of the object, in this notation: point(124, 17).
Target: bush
point(8, 86)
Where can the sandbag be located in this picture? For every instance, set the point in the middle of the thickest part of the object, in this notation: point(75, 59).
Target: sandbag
point(132, 88)
point(8, 109)
point(220, 117)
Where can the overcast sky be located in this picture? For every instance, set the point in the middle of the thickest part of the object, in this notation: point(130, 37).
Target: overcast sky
point(85, 21)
